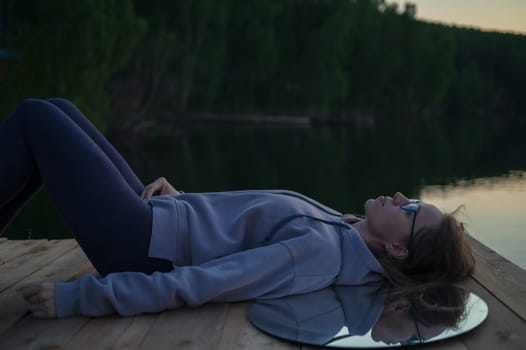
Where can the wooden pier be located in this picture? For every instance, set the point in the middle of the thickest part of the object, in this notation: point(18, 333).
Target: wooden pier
point(216, 326)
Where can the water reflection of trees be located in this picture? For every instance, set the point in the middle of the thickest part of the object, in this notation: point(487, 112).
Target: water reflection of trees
point(338, 166)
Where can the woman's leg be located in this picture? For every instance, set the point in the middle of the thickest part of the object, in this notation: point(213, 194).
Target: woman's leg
point(10, 209)
point(80, 119)
point(106, 214)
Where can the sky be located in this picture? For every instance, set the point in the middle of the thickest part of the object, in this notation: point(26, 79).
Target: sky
point(500, 15)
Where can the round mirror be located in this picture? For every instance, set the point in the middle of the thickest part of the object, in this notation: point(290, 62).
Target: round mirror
point(370, 316)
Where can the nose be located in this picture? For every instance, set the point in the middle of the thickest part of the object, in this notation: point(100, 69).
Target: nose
point(400, 199)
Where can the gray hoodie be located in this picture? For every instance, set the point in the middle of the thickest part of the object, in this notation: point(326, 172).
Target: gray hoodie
point(230, 246)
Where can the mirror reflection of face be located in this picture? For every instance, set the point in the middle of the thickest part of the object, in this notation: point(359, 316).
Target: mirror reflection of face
point(396, 325)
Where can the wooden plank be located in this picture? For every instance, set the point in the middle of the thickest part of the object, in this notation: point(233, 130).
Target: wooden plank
point(99, 333)
point(12, 249)
point(136, 333)
point(31, 333)
point(198, 328)
point(65, 268)
point(504, 279)
point(218, 326)
point(239, 333)
point(25, 265)
point(503, 329)
point(450, 344)
point(69, 266)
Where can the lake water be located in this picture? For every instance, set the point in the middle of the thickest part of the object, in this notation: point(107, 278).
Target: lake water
point(451, 162)
point(494, 211)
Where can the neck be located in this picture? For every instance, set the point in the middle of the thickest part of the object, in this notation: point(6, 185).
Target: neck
point(370, 240)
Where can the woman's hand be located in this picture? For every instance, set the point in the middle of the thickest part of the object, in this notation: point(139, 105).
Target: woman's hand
point(158, 187)
point(41, 299)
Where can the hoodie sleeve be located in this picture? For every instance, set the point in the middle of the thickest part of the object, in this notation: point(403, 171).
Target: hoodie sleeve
point(264, 272)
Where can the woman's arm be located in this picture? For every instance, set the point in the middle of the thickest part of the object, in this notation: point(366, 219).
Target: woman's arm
point(261, 272)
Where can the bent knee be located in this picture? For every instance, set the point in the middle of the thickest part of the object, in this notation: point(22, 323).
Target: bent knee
point(59, 101)
point(36, 110)
point(30, 106)
point(36, 102)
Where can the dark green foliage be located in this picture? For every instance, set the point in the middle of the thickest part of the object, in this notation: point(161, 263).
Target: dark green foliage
point(324, 58)
point(490, 73)
point(70, 49)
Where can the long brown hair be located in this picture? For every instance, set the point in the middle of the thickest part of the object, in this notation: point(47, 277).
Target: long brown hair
point(434, 304)
point(436, 254)
point(440, 304)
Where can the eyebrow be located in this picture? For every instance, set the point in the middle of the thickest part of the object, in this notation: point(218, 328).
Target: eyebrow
point(427, 209)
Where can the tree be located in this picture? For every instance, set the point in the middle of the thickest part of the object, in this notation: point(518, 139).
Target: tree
point(183, 52)
point(70, 51)
point(252, 55)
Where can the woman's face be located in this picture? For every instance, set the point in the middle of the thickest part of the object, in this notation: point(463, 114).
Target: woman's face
point(394, 325)
point(397, 325)
point(389, 223)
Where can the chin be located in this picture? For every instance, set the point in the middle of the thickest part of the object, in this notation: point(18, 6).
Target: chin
point(367, 204)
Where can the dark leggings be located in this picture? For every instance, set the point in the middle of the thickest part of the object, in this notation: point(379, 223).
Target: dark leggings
point(51, 143)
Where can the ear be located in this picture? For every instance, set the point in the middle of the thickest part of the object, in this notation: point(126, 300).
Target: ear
point(396, 250)
point(402, 305)
point(399, 305)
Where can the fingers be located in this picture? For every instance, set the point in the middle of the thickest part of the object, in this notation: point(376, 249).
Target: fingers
point(37, 291)
point(41, 299)
point(41, 311)
point(37, 299)
point(147, 193)
point(149, 190)
point(30, 290)
point(161, 186)
point(155, 187)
